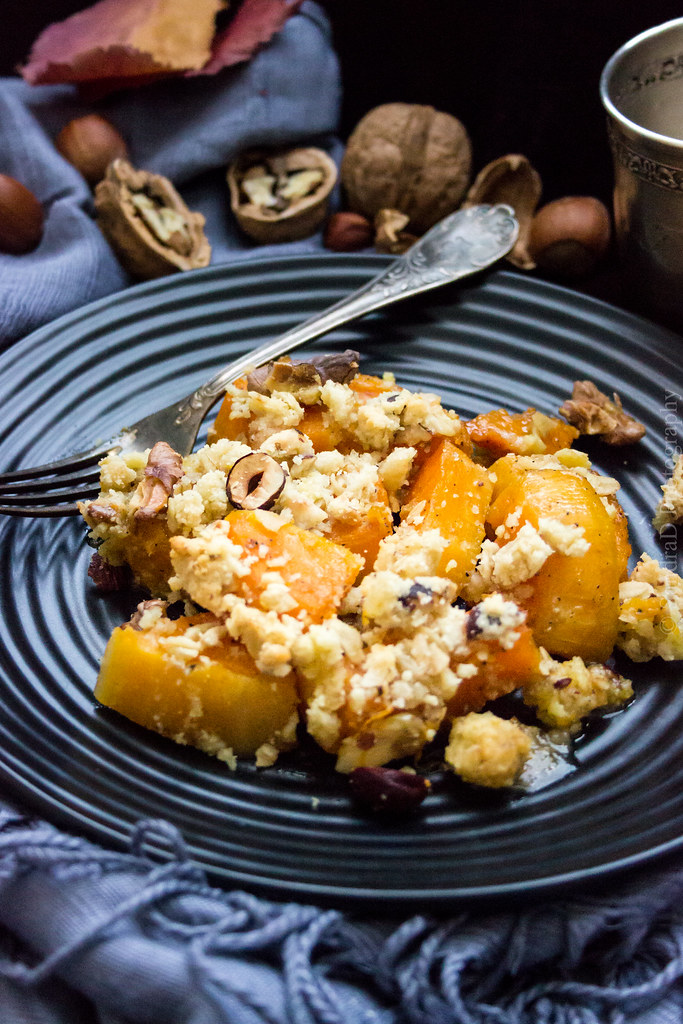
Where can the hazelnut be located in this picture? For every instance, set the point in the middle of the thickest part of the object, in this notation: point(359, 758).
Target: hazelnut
point(255, 481)
point(21, 217)
point(568, 237)
point(90, 143)
point(346, 232)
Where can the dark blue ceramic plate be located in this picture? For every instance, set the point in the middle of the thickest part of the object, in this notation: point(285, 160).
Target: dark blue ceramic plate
point(291, 831)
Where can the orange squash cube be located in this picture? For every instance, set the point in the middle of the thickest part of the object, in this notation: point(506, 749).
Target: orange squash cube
point(573, 600)
point(218, 702)
point(317, 572)
point(455, 493)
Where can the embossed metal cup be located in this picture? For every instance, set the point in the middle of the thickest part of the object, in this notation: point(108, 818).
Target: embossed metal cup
point(641, 88)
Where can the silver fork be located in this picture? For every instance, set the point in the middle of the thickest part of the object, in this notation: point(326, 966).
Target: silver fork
point(459, 245)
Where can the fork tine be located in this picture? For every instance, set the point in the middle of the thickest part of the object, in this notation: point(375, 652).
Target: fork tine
point(86, 479)
point(40, 511)
point(68, 494)
point(77, 462)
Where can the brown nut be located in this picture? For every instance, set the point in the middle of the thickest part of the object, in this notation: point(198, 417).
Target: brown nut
point(388, 791)
point(407, 157)
point(569, 236)
point(21, 217)
point(148, 225)
point(255, 481)
point(592, 412)
point(90, 143)
point(512, 180)
point(340, 367)
point(346, 232)
point(389, 234)
point(281, 196)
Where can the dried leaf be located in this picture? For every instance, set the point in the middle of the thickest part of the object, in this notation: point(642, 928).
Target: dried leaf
point(125, 41)
point(254, 24)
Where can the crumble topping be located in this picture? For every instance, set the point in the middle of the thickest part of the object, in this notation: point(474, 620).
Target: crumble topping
point(400, 652)
point(670, 506)
point(651, 613)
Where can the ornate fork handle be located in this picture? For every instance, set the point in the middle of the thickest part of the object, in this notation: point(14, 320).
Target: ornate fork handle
point(459, 245)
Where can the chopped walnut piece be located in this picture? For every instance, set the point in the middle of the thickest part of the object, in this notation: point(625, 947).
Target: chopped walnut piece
point(592, 412)
point(100, 513)
point(163, 470)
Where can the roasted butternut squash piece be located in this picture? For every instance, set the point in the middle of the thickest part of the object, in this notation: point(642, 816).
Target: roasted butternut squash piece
point(316, 572)
point(226, 425)
point(146, 551)
point(499, 671)
point(363, 534)
point(573, 599)
point(218, 701)
point(454, 493)
point(500, 432)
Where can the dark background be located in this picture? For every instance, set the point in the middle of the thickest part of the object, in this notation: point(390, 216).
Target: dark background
point(522, 75)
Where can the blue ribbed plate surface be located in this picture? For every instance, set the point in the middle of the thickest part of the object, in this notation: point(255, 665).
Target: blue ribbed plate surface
point(292, 832)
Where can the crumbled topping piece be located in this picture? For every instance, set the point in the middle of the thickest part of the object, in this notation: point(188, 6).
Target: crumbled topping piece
point(567, 538)
point(410, 552)
point(207, 565)
point(390, 418)
point(394, 471)
point(651, 613)
point(566, 691)
point(398, 735)
point(392, 602)
point(670, 506)
point(592, 412)
point(486, 750)
point(286, 445)
point(495, 618)
point(519, 559)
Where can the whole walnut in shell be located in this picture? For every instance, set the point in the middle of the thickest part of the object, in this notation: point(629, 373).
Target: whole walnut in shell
point(407, 157)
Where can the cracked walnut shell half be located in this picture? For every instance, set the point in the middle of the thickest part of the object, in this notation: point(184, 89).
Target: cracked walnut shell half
point(281, 196)
point(147, 224)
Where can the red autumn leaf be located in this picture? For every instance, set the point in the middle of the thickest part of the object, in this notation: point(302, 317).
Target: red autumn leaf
point(125, 40)
point(254, 24)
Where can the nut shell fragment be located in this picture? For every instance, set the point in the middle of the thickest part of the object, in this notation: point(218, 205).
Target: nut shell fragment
point(281, 196)
point(147, 224)
point(511, 180)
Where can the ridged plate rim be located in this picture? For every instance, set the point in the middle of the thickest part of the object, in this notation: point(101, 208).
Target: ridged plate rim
point(534, 334)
